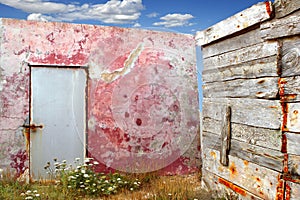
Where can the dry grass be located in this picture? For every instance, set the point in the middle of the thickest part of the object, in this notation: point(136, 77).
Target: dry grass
point(166, 188)
point(153, 187)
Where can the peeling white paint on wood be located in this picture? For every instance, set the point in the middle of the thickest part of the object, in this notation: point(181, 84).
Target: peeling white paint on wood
point(285, 7)
point(256, 179)
point(253, 112)
point(261, 137)
point(278, 28)
point(293, 118)
point(265, 67)
point(270, 159)
point(244, 40)
point(293, 141)
point(212, 182)
point(265, 88)
point(295, 190)
point(255, 52)
point(244, 19)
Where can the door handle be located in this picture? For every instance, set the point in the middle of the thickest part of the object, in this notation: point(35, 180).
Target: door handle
point(33, 127)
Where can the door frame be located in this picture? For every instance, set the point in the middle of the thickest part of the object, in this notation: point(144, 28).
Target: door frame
point(33, 126)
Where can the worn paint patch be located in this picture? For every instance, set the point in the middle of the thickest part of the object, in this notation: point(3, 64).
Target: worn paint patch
point(128, 64)
point(144, 115)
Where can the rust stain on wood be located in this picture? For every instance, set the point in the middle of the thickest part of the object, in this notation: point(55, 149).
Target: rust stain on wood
point(280, 189)
point(284, 144)
point(235, 188)
point(233, 170)
point(269, 7)
point(213, 154)
point(284, 105)
point(285, 164)
point(287, 192)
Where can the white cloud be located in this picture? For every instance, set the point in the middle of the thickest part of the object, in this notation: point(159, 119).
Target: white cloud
point(113, 11)
point(37, 17)
point(152, 15)
point(173, 20)
point(136, 25)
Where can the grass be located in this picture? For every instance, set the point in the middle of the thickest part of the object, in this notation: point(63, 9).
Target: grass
point(153, 187)
point(148, 186)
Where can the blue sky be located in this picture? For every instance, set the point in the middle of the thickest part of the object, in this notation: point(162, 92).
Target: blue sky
point(184, 16)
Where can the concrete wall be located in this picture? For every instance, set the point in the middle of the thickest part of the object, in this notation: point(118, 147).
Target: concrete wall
point(250, 112)
point(124, 66)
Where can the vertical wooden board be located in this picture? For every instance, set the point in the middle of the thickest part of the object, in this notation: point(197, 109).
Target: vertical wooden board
point(237, 42)
point(293, 142)
point(290, 61)
point(253, 112)
point(262, 137)
point(244, 19)
point(265, 67)
point(225, 137)
point(264, 88)
point(257, 179)
point(222, 188)
point(293, 118)
point(278, 28)
point(283, 8)
point(295, 190)
point(254, 52)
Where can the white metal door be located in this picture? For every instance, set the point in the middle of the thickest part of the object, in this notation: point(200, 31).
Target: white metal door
point(58, 106)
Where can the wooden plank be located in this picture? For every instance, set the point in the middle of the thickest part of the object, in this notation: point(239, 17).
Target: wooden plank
point(291, 89)
point(256, 179)
point(230, 44)
point(293, 141)
point(290, 56)
point(225, 137)
point(244, 19)
point(285, 7)
point(295, 190)
point(266, 67)
point(278, 28)
point(293, 119)
point(293, 165)
point(262, 137)
point(252, 112)
point(221, 187)
point(259, 155)
point(258, 51)
point(265, 88)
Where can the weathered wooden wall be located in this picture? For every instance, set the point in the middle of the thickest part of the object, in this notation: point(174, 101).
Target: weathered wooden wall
point(252, 65)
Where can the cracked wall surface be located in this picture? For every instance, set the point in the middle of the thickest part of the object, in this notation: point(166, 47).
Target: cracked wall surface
point(142, 102)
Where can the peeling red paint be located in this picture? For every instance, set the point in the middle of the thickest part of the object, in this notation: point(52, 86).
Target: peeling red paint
point(269, 7)
point(157, 100)
point(232, 186)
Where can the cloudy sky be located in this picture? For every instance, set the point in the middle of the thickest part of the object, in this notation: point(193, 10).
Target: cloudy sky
point(185, 16)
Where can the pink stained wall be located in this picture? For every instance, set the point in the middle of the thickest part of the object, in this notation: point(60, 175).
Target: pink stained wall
point(142, 113)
